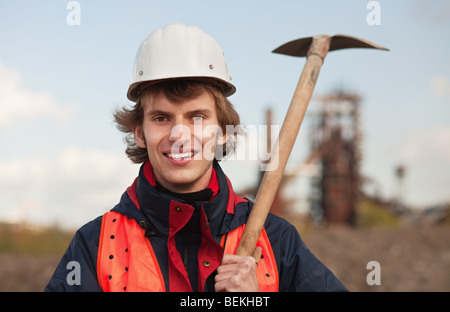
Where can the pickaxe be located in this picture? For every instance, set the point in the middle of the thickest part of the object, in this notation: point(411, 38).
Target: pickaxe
point(315, 49)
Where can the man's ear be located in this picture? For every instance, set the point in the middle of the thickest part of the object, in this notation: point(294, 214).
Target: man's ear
point(222, 138)
point(220, 147)
point(139, 137)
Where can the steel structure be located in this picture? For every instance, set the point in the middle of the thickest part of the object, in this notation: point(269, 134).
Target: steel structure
point(336, 140)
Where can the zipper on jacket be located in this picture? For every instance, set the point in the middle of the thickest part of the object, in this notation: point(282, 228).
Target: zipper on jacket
point(188, 241)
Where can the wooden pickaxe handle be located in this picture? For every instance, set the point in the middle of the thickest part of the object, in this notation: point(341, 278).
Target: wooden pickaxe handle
point(279, 156)
point(315, 49)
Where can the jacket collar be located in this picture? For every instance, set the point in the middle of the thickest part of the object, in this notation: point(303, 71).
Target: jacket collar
point(150, 207)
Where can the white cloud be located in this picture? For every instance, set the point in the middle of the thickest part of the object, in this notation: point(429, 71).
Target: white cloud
point(18, 103)
point(427, 159)
point(441, 87)
point(428, 145)
point(71, 187)
point(80, 165)
point(434, 11)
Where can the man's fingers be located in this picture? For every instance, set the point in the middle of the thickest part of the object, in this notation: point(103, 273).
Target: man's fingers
point(233, 259)
point(238, 273)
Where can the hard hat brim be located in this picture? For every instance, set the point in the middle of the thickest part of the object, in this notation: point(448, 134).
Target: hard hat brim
point(135, 89)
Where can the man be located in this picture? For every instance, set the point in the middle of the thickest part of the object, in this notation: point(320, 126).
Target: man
point(178, 225)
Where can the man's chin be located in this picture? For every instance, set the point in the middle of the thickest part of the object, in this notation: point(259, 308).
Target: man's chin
point(185, 180)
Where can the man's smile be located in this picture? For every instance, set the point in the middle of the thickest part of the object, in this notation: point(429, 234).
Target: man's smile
point(179, 155)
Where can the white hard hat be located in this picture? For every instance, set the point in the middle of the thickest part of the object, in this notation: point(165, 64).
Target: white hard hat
point(179, 51)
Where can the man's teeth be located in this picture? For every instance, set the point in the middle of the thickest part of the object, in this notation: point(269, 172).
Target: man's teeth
point(180, 155)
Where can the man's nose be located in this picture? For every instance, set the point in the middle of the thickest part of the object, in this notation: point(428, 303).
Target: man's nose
point(180, 131)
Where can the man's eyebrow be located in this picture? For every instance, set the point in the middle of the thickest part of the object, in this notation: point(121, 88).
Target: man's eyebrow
point(205, 111)
point(155, 112)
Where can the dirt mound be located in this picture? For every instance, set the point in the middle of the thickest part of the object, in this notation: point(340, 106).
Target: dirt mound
point(411, 259)
point(21, 272)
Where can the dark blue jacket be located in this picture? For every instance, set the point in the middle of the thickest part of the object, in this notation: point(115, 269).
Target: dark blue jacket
point(299, 269)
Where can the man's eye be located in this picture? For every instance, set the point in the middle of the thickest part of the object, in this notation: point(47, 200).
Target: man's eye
point(160, 119)
point(197, 118)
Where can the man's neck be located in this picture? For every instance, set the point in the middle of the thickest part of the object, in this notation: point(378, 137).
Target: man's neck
point(191, 197)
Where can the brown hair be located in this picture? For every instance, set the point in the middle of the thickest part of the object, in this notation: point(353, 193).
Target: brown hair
point(176, 90)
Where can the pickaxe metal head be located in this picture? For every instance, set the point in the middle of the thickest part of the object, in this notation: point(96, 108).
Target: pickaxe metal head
point(321, 44)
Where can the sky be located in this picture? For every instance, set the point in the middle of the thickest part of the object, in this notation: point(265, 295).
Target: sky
point(64, 71)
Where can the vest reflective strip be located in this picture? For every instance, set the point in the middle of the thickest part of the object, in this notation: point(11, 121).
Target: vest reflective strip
point(124, 253)
point(267, 271)
point(126, 260)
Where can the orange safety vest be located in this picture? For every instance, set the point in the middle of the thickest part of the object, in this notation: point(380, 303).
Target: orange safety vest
point(126, 260)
